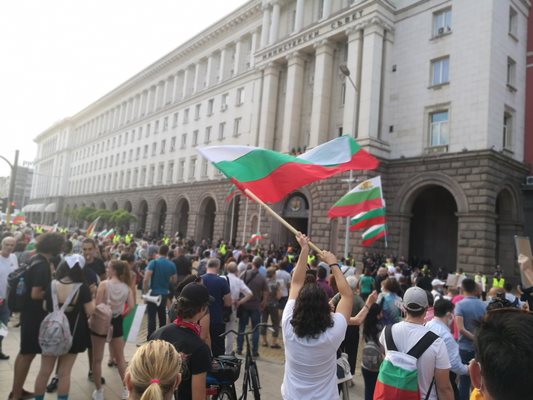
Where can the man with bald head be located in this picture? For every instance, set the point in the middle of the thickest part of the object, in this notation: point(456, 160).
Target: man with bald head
point(8, 263)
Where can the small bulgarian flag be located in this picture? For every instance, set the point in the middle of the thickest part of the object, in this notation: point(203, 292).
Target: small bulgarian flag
point(364, 197)
point(271, 175)
point(18, 218)
point(373, 233)
point(255, 236)
point(91, 228)
point(231, 192)
point(366, 219)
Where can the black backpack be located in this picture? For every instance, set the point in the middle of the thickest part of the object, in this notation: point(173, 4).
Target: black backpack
point(16, 288)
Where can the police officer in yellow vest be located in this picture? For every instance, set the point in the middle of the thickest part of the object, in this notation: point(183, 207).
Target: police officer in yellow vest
point(128, 238)
point(498, 281)
point(166, 240)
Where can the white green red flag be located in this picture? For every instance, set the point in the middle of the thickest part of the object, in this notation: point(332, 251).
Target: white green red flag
point(271, 175)
point(366, 219)
point(373, 233)
point(91, 228)
point(255, 237)
point(364, 197)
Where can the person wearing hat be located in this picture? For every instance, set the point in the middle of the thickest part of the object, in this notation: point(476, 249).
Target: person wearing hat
point(434, 362)
point(68, 276)
point(184, 334)
point(438, 288)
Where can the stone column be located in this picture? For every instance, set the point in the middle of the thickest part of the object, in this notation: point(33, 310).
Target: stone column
point(265, 25)
point(237, 57)
point(185, 83)
point(321, 93)
point(349, 122)
point(222, 64)
point(476, 244)
point(157, 100)
point(268, 106)
point(326, 9)
point(274, 23)
point(293, 103)
point(370, 90)
point(144, 102)
point(196, 84)
point(178, 88)
point(299, 19)
point(253, 47)
point(209, 71)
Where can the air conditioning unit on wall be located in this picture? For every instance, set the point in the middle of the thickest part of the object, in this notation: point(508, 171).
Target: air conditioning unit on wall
point(529, 180)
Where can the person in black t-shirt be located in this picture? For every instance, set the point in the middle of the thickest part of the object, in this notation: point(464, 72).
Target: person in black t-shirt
point(184, 334)
point(37, 280)
point(183, 264)
point(91, 262)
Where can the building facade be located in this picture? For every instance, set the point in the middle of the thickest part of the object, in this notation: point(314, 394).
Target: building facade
point(436, 90)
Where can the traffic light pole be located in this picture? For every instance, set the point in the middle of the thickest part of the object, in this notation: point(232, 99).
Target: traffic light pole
point(11, 194)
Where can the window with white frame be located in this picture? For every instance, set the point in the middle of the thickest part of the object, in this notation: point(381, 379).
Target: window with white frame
point(135, 177)
point(236, 126)
point(239, 98)
point(130, 155)
point(160, 171)
point(224, 102)
point(197, 110)
point(145, 152)
point(126, 135)
point(207, 138)
point(439, 71)
point(154, 148)
point(438, 128)
point(175, 120)
point(142, 180)
point(195, 137)
point(186, 116)
point(192, 168)
point(148, 129)
point(210, 106)
point(221, 129)
point(163, 146)
point(156, 127)
point(151, 175)
point(511, 72)
point(204, 167)
point(170, 172)
point(132, 136)
point(181, 169)
point(173, 144)
point(165, 124)
point(513, 22)
point(183, 140)
point(507, 134)
point(442, 22)
point(140, 133)
point(137, 153)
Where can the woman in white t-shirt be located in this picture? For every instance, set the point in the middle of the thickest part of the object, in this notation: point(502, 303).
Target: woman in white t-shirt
point(312, 334)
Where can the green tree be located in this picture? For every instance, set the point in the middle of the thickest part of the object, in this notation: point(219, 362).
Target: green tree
point(121, 218)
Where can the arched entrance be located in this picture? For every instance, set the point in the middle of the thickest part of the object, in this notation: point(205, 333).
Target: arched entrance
point(182, 218)
point(232, 219)
point(296, 213)
point(142, 215)
point(434, 228)
point(114, 206)
point(127, 206)
point(160, 218)
point(206, 219)
point(505, 231)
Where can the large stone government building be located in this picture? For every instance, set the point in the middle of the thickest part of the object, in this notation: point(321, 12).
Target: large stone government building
point(436, 90)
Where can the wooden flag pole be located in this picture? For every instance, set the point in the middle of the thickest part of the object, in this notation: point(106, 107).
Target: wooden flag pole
point(279, 218)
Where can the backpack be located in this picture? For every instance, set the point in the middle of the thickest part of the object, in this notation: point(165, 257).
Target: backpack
point(398, 373)
point(16, 288)
point(55, 337)
point(100, 320)
point(372, 356)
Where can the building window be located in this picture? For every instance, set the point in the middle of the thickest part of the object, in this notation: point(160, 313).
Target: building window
point(173, 144)
point(204, 168)
point(138, 153)
point(513, 23)
point(154, 149)
point(140, 133)
point(439, 71)
point(170, 172)
point(125, 138)
point(197, 109)
point(181, 169)
point(511, 72)
point(163, 146)
point(175, 120)
point(145, 152)
point(192, 168)
point(507, 129)
point(156, 127)
point(236, 126)
point(142, 181)
point(210, 105)
point(186, 116)
point(130, 156)
point(320, 9)
point(438, 128)
point(239, 99)
point(148, 128)
point(183, 140)
point(195, 138)
point(160, 172)
point(207, 138)
point(132, 136)
point(224, 102)
point(221, 128)
point(442, 22)
point(165, 124)
point(151, 175)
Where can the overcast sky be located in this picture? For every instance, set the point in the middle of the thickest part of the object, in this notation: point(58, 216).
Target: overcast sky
point(59, 56)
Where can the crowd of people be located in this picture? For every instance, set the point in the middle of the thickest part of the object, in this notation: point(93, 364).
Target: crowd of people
point(463, 337)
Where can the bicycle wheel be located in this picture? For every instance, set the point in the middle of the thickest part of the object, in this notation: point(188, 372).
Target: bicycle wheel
point(225, 393)
point(254, 378)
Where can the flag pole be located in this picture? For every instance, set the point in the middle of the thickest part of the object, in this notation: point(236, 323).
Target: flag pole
point(232, 219)
point(279, 218)
point(258, 226)
point(245, 220)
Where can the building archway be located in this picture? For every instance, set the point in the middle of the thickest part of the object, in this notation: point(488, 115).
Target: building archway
point(295, 212)
point(182, 218)
point(142, 215)
point(102, 206)
point(160, 218)
point(433, 229)
point(127, 206)
point(114, 206)
point(232, 219)
point(206, 219)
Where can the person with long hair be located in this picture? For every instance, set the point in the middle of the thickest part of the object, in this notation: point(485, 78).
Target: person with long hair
point(115, 291)
point(68, 276)
point(373, 352)
point(154, 372)
point(312, 333)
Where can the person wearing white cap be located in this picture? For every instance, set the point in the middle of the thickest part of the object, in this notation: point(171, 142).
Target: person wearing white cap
point(433, 365)
point(438, 288)
point(68, 278)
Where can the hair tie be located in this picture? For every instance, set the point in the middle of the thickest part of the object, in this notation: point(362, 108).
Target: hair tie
point(154, 381)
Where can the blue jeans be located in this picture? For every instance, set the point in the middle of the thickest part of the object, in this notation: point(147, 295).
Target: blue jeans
point(464, 380)
point(255, 316)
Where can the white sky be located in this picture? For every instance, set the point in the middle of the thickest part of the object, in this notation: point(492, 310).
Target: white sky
point(58, 56)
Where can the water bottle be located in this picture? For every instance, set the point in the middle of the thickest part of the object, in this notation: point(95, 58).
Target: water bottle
point(21, 287)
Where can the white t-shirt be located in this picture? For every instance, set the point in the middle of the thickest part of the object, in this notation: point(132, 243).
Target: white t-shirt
point(237, 286)
point(284, 280)
point(7, 265)
point(311, 363)
point(406, 335)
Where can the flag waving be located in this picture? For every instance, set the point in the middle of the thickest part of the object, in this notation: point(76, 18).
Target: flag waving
point(364, 197)
point(373, 233)
point(367, 219)
point(92, 227)
point(271, 175)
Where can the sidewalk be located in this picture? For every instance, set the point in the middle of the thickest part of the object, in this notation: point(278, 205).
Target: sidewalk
point(270, 365)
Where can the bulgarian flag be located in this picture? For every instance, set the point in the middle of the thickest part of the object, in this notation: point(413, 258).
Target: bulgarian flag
point(19, 218)
point(271, 175)
point(373, 233)
point(91, 228)
point(255, 236)
point(366, 219)
point(364, 197)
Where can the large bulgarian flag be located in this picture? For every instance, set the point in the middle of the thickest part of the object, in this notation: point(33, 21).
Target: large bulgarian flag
point(271, 175)
point(92, 227)
point(364, 197)
point(373, 233)
point(366, 219)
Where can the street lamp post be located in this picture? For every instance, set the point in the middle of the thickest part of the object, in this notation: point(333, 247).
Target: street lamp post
point(11, 194)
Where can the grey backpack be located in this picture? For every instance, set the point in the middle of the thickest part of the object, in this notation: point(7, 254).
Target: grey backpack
point(55, 337)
